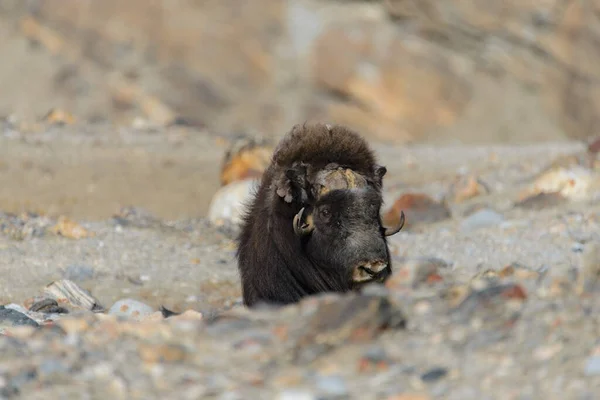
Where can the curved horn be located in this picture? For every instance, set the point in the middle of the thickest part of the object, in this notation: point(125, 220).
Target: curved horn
point(302, 227)
point(389, 231)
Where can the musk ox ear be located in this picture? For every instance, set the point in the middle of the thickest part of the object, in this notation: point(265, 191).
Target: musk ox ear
point(303, 223)
point(379, 171)
point(291, 185)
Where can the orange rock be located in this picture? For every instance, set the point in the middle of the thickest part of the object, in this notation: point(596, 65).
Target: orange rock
point(59, 117)
point(70, 229)
point(245, 159)
point(465, 188)
point(515, 292)
point(418, 208)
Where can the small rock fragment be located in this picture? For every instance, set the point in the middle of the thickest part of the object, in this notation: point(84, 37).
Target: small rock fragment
point(434, 374)
point(416, 271)
point(136, 217)
point(592, 366)
point(295, 394)
point(331, 386)
point(188, 315)
point(10, 317)
point(130, 308)
point(467, 187)
point(59, 117)
point(164, 352)
point(481, 219)
point(418, 209)
point(245, 158)
point(48, 306)
point(541, 201)
point(78, 272)
point(70, 229)
point(589, 276)
point(227, 203)
point(409, 397)
point(573, 183)
point(65, 291)
point(343, 318)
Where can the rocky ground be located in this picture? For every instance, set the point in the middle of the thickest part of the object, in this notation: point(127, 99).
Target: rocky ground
point(494, 293)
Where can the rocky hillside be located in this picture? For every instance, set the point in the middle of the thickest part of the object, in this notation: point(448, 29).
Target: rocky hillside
point(397, 70)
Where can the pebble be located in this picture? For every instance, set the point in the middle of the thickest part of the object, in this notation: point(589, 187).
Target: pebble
point(227, 203)
point(130, 308)
point(79, 272)
point(592, 367)
point(434, 374)
point(296, 394)
point(332, 385)
point(481, 219)
point(10, 317)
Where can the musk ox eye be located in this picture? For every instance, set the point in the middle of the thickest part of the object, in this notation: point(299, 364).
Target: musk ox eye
point(325, 213)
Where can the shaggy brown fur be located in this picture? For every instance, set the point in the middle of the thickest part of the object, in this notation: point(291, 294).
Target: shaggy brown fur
point(275, 265)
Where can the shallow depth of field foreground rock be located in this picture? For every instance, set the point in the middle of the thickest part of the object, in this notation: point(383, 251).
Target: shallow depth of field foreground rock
point(495, 292)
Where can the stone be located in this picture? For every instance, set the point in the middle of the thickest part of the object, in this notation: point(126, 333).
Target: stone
point(434, 374)
point(592, 366)
point(131, 309)
point(345, 318)
point(227, 204)
point(245, 159)
point(296, 394)
point(418, 209)
point(466, 187)
point(589, 274)
point(542, 200)
point(574, 183)
point(67, 292)
point(481, 219)
point(68, 228)
point(331, 386)
point(77, 272)
point(10, 317)
point(412, 272)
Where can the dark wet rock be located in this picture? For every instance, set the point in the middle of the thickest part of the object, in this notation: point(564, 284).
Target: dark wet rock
point(434, 374)
point(10, 317)
point(48, 306)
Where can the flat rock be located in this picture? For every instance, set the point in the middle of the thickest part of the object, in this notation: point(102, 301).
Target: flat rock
point(10, 317)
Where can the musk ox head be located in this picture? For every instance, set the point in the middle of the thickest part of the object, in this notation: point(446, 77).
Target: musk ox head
point(343, 234)
point(314, 224)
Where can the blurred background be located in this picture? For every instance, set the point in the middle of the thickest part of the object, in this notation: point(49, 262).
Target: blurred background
point(401, 72)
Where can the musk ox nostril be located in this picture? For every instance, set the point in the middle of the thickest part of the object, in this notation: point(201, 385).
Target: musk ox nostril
point(370, 271)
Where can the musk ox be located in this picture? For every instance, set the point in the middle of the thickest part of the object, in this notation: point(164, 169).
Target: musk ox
point(314, 223)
